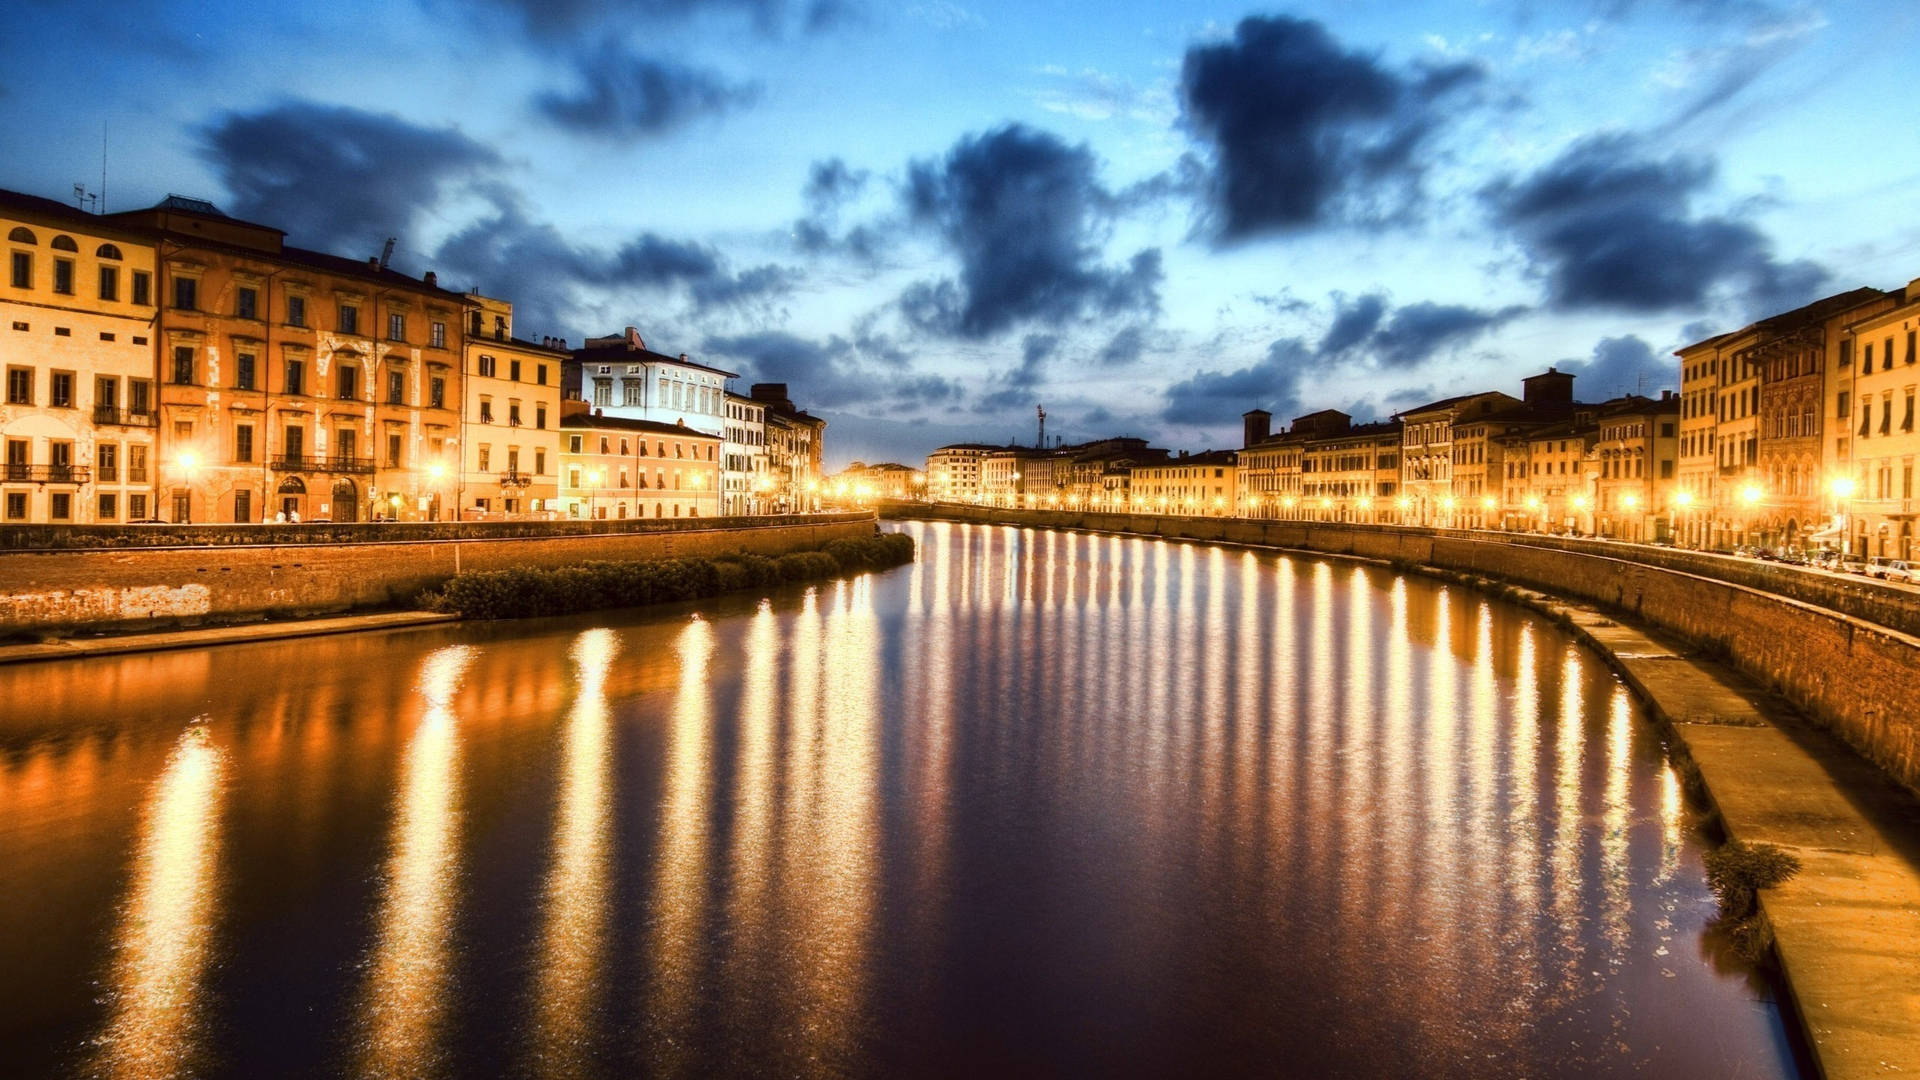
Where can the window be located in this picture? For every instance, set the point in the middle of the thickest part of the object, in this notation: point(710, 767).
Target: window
point(396, 388)
point(437, 335)
point(243, 372)
point(1841, 405)
point(243, 442)
point(296, 377)
point(109, 508)
point(242, 507)
point(186, 294)
point(603, 391)
point(60, 506)
point(487, 365)
point(64, 243)
point(136, 507)
point(142, 287)
point(345, 377)
point(396, 327)
point(393, 450)
point(296, 311)
point(1886, 414)
point(293, 441)
point(486, 409)
point(19, 386)
point(106, 461)
point(139, 397)
point(109, 283)
point(246, 303)
point(486, 453)
point(349, 319)
point(437, 392)
point(22, 236)
point(1886, 360)
point(540, 372)
point(513, 370)
point(61, 396)
point(630, 393)
point(513, 460)
point(1906, 423)
point(540, 461)
point(540, 416)
point(23, 270)
point(573, 445)
point(513, 413)
point(63, 276)
point(183, 365)
point(603, 444)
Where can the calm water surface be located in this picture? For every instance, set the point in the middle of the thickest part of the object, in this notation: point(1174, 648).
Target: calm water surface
point(1040, 804)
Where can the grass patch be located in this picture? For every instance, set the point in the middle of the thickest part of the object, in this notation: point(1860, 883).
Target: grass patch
point(1736, 871)
point(529, 591)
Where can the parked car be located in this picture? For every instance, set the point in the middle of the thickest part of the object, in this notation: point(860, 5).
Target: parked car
point(1826, 560)
point(1794, 557)
point(1891, 570)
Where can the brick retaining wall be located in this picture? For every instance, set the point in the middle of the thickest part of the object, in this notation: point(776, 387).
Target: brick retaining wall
point(1860, 679)
point(147, 588)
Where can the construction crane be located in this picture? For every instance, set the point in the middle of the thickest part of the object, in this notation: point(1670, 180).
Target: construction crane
point(1042, 410)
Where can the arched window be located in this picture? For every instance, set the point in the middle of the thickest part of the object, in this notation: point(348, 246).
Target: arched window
point(22, 236)
point(64, 243)
point(108, 251)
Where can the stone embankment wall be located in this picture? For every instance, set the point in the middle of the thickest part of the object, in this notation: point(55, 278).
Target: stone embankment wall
point(154, 587)
point(1860, 678)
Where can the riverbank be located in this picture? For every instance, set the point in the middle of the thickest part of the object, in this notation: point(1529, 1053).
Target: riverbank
point(1844, 928)
point(82, 648)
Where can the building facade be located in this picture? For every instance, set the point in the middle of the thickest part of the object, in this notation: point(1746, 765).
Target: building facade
point(1427, 458)
point(1203, 485)
point(747, 485)
point(1353, 475)
point(954, 472)
point(1637, 449)
point(795, 442)
point(77, 422)
point(1877, 502)
point(616, 467)
point(510, 425)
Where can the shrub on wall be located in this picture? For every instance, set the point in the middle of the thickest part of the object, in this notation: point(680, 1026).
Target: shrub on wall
point(522, 592)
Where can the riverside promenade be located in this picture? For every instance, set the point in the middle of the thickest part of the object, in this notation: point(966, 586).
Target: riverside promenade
point(1846, 928)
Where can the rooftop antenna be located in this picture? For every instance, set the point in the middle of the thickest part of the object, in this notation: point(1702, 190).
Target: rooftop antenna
point(1042, 410)
point(386, 253)
point(81, 197)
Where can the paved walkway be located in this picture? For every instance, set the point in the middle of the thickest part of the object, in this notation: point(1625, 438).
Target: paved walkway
point(67, 649)
point(1847, 926)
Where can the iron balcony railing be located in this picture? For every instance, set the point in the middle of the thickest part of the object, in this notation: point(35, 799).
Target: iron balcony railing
point(515, 478)
point(46, 474)
point(322, 463)
point(105, 415)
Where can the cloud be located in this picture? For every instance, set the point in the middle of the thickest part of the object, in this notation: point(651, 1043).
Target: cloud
point(1025, 214)
point(835, 372)
point(1416, 332)
point(1622, 365)
point(337, 178)
point(549, 278)
point(1017, 384)
point(832, 183)
point(1301, 132)
point(623, 94)
point(1610, 225)
point(553, 19)
point(1124, 348)
point(1214, 398)
point(1352, 322)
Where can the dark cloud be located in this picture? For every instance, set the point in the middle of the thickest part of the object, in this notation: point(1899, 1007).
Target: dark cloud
point(562, 18)
point(831, 184)
point(835, 372)
point(1416, 332)
point(1124, 348)
point(1024, 213)
point(547, 276)
point(623, 94)
point(1016, 385)
point(1611, 225)
point(1301, 132)
point(337, 178)
point(1622, 365)
point(1214, 398)
point(1353, 322)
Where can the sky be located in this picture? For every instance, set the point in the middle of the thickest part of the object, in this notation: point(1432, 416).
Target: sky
point(929, 216)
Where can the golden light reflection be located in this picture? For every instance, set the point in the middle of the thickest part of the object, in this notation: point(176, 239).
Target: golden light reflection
point(407, 982)
point(680, 889)
point(572, 943)
point(162, 946)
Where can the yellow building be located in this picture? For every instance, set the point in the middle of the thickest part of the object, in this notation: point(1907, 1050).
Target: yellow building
point(1353, 475)
point(1197, 484)
point(510, 423)
point(1878, 498)
point(615, 468)
point(954, 473)
point(77, 421)
point(1636, 448)
point(1427, 460)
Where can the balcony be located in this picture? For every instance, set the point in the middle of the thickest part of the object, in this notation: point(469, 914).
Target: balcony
point(19, 473)
point(108, 416)
point(515, 478)
point(322, 464)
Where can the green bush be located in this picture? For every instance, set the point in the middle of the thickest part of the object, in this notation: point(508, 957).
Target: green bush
point(522, 592)
point(1737, 870)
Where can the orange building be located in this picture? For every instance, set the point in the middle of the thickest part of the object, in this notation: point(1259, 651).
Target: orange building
point(615, 467)
point(293, 382)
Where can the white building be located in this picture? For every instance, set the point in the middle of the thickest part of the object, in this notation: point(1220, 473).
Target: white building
point(746, 486)
point(620, 376)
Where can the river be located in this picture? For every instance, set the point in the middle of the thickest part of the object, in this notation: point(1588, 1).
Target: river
point(1039, 804)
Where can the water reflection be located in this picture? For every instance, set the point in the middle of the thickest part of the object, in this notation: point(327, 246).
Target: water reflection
point(165, 938)
point(405, 1003)
point(573, 942)
point(1042, 804)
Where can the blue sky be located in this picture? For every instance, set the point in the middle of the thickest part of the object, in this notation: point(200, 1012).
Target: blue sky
point(929, 216)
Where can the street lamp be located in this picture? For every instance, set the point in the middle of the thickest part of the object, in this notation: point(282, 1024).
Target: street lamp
point(189, 462)
point(593, 494)
point(1843, 488)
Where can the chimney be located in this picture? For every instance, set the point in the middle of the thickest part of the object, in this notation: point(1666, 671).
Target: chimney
point(432, 279)
point(1258, 425)
point(373, 262)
